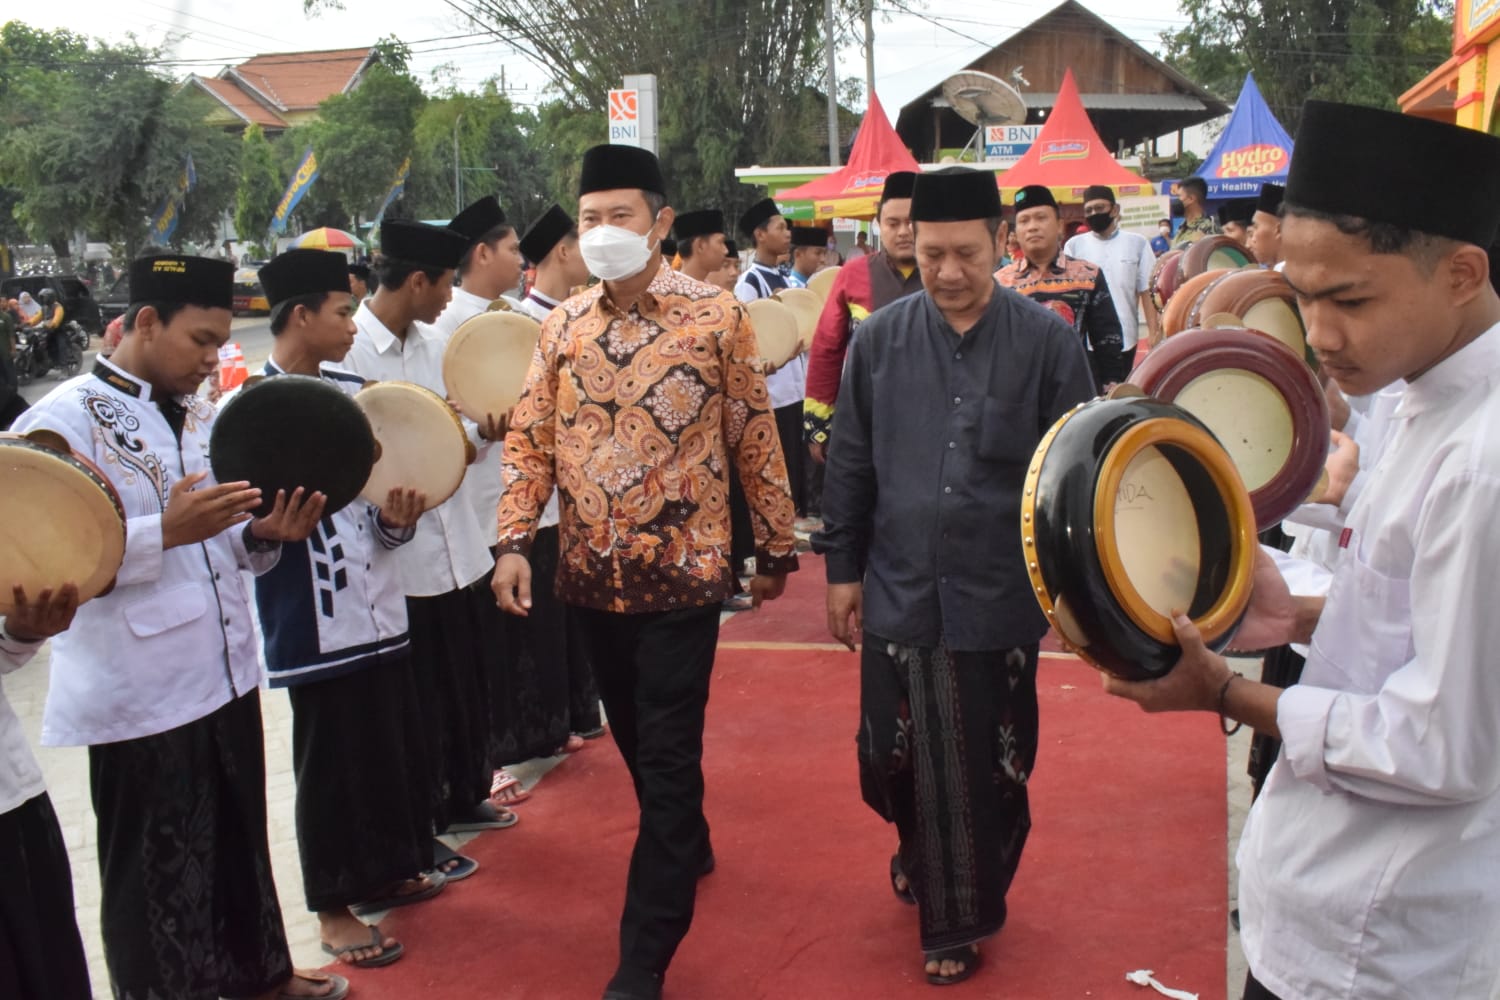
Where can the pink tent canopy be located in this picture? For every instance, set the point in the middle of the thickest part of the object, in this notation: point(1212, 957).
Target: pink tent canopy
point(852, 191)
point(1068, 155)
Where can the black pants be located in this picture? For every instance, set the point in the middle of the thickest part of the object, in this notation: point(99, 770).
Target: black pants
point(41, 955)
point(364, 817)
point(653, 672)
point(189, 909)
point(1255, 991)
point(789, 430)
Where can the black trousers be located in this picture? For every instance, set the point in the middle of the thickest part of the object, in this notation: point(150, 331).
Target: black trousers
point(41, 954)
point(364, 819)
point(653, 672)
point(789, 430)
point(189, 909)
point(1255, 991)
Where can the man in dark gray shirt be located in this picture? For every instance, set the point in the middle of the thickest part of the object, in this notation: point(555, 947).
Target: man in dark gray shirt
point(944, 399)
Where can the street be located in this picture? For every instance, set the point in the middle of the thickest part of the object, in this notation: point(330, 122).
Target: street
point(252, 333)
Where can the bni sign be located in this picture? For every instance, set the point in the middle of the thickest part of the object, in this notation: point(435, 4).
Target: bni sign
point(1009, 140)
point(625, 117)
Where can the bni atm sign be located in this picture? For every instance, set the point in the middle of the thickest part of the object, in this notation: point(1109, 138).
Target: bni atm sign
point(1009, 140)
point(625, 117)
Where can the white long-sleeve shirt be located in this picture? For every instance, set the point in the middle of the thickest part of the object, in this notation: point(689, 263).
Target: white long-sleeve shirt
point(173, 641)
point(20, 774)
point(449, 551)
point(1370, 865)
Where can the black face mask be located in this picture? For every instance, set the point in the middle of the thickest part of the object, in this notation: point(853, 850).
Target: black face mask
point(1100, 222)
point(1177, 210)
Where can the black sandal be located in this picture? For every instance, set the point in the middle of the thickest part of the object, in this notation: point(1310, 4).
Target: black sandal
point(964, 953)
point(905, 895)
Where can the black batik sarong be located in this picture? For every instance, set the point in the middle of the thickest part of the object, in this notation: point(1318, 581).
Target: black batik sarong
point(947, 743)
point(41, 954)
point(448, 635)
point(189, 907)
point(364, 819)
point(529, 667)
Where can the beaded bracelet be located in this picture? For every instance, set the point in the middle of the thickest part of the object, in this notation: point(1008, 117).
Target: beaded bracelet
point(1223, 691)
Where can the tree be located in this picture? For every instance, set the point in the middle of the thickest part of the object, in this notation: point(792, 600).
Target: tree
point(259, 188)
point(1357, 51)
point(737, 80)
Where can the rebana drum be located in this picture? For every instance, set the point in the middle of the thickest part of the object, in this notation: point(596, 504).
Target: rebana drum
point(422, 444)
point(1132, 511)
point(486, 362)
point(776, 330)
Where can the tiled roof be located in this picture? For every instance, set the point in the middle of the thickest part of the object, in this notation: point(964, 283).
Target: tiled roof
point(293, 81)
point(241, 103)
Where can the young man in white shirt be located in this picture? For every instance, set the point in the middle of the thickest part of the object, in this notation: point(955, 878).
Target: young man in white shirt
point(159, 678)
point(551, 245)
point(1370, 864)
point(1125, 258)
point(41, 954)
point(397, 341)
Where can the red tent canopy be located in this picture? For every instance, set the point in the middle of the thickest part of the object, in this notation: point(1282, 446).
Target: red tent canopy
point(1068, 155)
point(852, 191)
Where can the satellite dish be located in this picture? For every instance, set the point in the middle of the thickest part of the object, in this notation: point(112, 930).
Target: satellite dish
point(981, 100)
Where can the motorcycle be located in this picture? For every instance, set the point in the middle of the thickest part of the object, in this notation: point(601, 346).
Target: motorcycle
point(39, 350)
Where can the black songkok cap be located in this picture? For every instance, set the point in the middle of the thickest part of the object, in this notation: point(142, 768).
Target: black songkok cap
point(610, 167)
point(1241, 210)
point(304, 272)
point(1097, 192)
point(1034, 196)
point(731, 248)
point(1342, 164)
point(808, 236)
point(419, 243)
point(898, 185)
point(184, 280)
point(478, 219)
point(360, 271)
point(955, 194)
point(758, 215)
point(1270, 198)
point(691, 225)
point(669, 247)
point(546, 233)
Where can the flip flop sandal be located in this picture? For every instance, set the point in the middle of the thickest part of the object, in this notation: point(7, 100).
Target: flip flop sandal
point(905, 895)
point(442, 854)
point(436, 882)
point(338, 986)
point(486, 816)
point(503, 780)
point(386, 956)
point(964, 954)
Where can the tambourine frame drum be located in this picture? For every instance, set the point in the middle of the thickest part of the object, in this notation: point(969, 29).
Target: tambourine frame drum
point(486, 362)
point(1132, 510)
point(776, 331)
point(1164, 278)
point(1257, 299)
point(1175, 319)
point(822, 282)
point(286, 431)
point(1215, 253)
point(807, 306)
point(1262, 402)
point(422, 442)
point(61, 520)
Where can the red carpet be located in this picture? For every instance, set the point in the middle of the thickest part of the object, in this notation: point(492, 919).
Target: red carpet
point(1125, 868)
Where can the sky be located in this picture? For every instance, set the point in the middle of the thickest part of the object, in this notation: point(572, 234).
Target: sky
point(913, 51)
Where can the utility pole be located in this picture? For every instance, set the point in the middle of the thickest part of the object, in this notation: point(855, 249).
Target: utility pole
point(833, 85)
point(458, 198)
point(869, 48)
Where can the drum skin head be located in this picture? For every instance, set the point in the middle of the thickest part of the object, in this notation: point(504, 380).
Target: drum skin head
point(1132, 510)
point(775, 330)
point(1257, 397)
point(1215, 253)
point(422, 442)
point(486, 362)
point(1258, 299)
point(289, 431)
point(807, 306)
point(822, 282)
point(60, 521)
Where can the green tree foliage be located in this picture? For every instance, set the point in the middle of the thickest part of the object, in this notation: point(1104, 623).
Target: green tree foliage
point(738, 81)
point(1358, 51)
point(260, 186)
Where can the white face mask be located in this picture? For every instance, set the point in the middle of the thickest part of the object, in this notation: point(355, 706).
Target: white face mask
point(613, 253)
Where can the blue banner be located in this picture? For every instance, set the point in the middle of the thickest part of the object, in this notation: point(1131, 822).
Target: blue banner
point(398, 187)
point(302, 179)
point(164, 222)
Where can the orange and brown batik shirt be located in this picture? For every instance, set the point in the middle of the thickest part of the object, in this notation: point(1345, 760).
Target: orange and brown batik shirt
point(639, 417)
